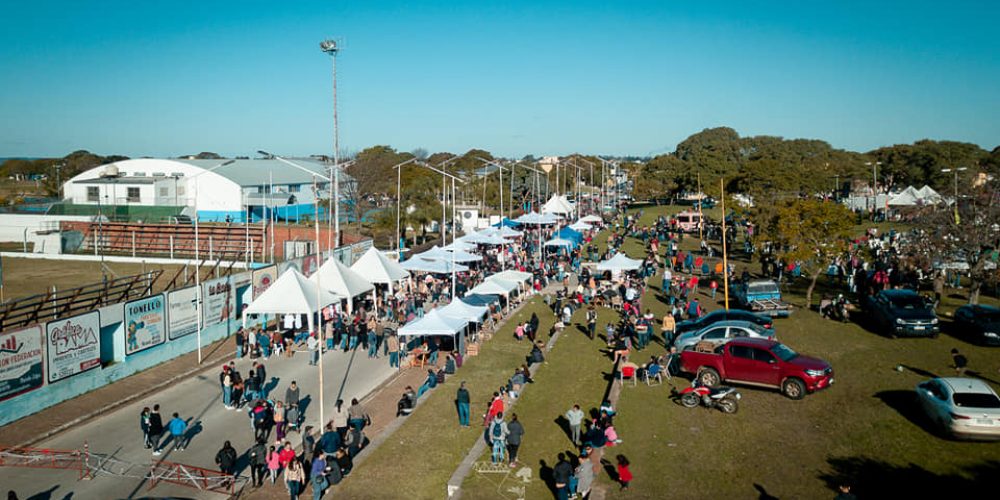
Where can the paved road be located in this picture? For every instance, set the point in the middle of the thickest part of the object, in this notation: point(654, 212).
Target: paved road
point(346, 375)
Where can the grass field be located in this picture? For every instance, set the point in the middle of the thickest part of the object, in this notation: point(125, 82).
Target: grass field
point(417, 460)
point(24, 277)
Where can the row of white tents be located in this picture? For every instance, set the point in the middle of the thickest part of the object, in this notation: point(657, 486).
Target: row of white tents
point(909, 197)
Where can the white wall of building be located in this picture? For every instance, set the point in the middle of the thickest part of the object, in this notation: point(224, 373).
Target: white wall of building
point(13, 226)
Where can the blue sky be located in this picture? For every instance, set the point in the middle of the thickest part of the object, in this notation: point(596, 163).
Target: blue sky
point(163, 78)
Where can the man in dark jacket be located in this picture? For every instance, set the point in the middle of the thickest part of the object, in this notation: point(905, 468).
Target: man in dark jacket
point(155, 429)
point(462, 401)
point(258, 463)
point(514, 432)
point(329, 442)
point(560, 476)
point(226, 458)
point(292, 394)
point(261, 379)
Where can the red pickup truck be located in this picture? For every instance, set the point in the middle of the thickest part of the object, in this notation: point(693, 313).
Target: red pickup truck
point(761, 362)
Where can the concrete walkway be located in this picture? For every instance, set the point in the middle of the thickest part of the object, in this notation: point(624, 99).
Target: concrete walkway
point(198, 399)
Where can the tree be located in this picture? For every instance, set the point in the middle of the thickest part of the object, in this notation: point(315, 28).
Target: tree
point(809, 231)
point(968, 235)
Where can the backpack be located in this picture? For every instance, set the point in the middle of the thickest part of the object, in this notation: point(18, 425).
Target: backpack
point(497, 430)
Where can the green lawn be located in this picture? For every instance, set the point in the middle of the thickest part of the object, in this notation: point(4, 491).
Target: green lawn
point(420, 457)
point(864, 430)
point(575, 372)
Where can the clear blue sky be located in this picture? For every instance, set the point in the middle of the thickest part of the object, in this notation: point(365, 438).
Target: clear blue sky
point(164, 78)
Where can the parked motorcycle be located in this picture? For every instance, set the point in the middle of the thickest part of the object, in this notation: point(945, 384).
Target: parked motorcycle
point(837, 309)
point(723, 398)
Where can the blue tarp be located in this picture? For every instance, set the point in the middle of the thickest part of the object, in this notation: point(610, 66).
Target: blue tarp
point(568, 233)
point(480, 300)
point(507, 222)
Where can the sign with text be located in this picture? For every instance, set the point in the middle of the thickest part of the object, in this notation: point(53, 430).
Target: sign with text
point(20, 361)
point(219, 301)
point(182, 312)
point(73, 345)
point(262, 279)
point(145, 324)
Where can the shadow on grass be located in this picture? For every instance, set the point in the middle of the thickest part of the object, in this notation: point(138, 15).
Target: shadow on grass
point(545, 475)
point(564, 425)
point(870, 478)
point(905, 403)
point(920, 371)
point(763, 494)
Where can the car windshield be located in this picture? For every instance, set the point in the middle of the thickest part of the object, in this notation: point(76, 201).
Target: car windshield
point(976, 400)
point(989, 316)
point(782, 351)
point(908, 302)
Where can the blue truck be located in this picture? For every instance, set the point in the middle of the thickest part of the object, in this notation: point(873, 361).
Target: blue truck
point(762, 297)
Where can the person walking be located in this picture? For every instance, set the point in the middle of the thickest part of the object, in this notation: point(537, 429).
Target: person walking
point(318, 476)
point(560, 476)
point(372, 342)
point(177, 428)
point(514, 433)
point(584, 474)
point(959, 362)
point(258, 463)
point(313, 345)
point(591, 321)
point(497, 434)
point(273, 460)
point(227, 388)
point(226, 459)
point(144, 425)
point(575, 418)
point(357, 416)
point(667, 328)
point(155, 429)
point(393, 345)
point(292, 394)
point(462, 401)
point(294, 477)
point(624, 474)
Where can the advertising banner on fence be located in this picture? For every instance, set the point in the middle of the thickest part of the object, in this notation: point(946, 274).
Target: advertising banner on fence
point(262, 279)
point(182, 312)
point(73, 345)
point(219, 301)
point(20, 361)
point(145, 324)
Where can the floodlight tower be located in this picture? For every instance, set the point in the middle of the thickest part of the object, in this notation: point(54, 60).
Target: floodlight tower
point(332, 48)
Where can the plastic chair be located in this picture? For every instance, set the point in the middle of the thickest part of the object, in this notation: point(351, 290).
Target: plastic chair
point(627, 372)
point(654, 371)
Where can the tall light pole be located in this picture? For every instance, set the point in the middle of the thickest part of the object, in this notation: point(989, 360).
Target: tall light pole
point(955, 171)
point(446, 175)
point(399, 201)
point(197, 252)
point(332, 48)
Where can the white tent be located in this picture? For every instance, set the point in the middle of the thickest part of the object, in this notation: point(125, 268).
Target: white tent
point(493, 287)
point(291, 293)
point(506, 232)
point(907, 198)
point(580, 226)
point(377, 268)
point(341, 280)
point(483, 239)
point(463, 311)
point(557, 205)
point(929, 196)
point(619, 263)
point(460, 245)
point(590, 219)
point(432, 266)
point(433, 323)
point(537, 218)
point(515, 276)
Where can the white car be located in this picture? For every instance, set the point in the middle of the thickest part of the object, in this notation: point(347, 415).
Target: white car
point(720, 332)
point(964, 408)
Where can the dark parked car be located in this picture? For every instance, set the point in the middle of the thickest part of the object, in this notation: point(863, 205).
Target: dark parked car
point(980, 324)
point(724, 315)
point(903, 313)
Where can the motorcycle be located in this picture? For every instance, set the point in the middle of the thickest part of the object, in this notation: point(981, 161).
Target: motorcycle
point(837, 309)
point(723, 398)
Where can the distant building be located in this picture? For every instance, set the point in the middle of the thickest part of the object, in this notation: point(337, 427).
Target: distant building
point(264, 186)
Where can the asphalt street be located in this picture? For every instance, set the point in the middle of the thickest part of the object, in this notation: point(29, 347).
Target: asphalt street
point(198, 400)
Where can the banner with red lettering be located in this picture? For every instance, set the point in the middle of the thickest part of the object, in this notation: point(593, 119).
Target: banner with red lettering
point(20, 361)
point(73, 345)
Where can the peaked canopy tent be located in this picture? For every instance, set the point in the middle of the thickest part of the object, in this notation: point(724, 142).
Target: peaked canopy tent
point(435, 323)
point(419, 264)
point(506, 223)
point(460, 255)
point(560, 242)
point(434, 253)
point(340, 280)
point(515, 276)
point(558, 205)
point(377, 268)
point(493, 286)
point(536, 218)
point(619, 262)
point(464, 311)
point(580, 226)
point(481, 238)
point(589, 219)
point(460, 245)
point(291, 293)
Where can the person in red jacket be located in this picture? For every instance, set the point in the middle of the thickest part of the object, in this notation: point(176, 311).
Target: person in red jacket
point(624, 474)
point(496, 406)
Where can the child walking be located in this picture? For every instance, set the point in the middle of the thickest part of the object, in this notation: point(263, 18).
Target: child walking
point(624, 474)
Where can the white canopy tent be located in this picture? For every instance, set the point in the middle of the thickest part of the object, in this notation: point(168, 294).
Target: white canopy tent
point(433, 323)
point(377, 268)
point(291, 293)
point(515, 276)
point(435, 253)
point(590, 219)
point(342, 281)
point(619, 262)
point(464, 311)
point(460, 245)
point(419, 264)
point(493, 287)
point(580, 226)
point(537, 219)
point(461, 256)
point(559, 242)
point(483, 239)
point(557, 205)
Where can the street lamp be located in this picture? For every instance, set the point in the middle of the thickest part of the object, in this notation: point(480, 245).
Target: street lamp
point(332, 48)
point(955, 171)
point(453, 213)
point(399, 200)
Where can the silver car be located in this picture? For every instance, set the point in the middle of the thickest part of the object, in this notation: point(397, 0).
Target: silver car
point(720, 332)
point(964, 408)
